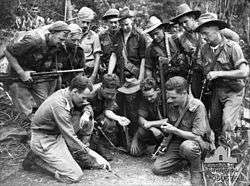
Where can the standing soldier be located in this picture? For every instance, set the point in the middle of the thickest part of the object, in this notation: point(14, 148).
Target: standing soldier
point(128, 60)
point(192, 42)
point(163, 49)
point(71, 55)
point(90, 42)
point(35, 52)
point(107, 36)
point(225, 68)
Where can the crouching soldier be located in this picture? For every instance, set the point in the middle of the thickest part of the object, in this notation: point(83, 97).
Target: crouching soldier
point(55, 146)
point(188, 138)
point(150, 119)
point(105, 109)
point(35, 52)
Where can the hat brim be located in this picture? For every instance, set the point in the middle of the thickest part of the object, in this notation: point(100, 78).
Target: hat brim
point(125, 17)
point(146, 31)
point(107, 17)
point(219, 23)
point(130, 90)
point(196, 13)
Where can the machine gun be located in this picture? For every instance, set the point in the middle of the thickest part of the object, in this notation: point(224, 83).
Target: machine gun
point(38, 77)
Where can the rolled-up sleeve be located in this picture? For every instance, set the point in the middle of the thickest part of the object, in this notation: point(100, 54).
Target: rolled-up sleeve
point(23, 46)
point(200, 121)
point(237, 56)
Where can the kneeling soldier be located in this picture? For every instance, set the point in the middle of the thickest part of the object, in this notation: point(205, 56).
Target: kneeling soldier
point(54, 144)
point(188, 139)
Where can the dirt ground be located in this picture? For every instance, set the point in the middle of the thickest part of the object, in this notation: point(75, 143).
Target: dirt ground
point(129, 171)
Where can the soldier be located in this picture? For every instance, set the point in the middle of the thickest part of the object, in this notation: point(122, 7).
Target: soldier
point(90, 42)
point(191, 42)
point(128, 58)
point(188, 139)
point(106, 113)
point(35, 52)
point(55, 146)
point(71, 55)
point(149, 119)
point(163, 49)
point(225, 68)
point(107, 36)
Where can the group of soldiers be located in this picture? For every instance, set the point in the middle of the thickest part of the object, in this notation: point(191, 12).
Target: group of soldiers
point(181, 92)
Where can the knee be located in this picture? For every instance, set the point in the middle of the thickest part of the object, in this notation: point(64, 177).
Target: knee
point(75, 176)
point(159, 169)
point(190, 149)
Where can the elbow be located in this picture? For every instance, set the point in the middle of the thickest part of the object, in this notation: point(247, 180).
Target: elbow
point(245, 72)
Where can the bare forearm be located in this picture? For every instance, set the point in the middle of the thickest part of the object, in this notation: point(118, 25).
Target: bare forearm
point(185, 134)
point(142, 70)
point(111, 115)
point(13, 62)
point(144, 122)
point(234, 74)
point(112, 63)
point(97, 63)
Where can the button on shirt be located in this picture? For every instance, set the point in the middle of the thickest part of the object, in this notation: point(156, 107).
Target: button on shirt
point(91, 45)
point(54, 117)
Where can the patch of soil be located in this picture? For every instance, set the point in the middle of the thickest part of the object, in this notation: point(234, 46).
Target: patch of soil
point(127, 170)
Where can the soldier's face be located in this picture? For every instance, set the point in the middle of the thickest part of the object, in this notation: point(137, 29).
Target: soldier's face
point(85, 25)
point(157, 35)
point(210, 34)
point(174, 98)
point(58, 38)
point(187, 22)
point(127, 25)
point(79, 98)
point(150, 95)
point(113, 24)
point(74, 39)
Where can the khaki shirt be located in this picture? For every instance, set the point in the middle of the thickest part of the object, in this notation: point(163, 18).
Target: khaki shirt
point(91, 45)
point(55, 116)
point(230, 58)
point(194, 120)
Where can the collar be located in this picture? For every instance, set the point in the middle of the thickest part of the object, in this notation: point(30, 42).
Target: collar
point(69, 104)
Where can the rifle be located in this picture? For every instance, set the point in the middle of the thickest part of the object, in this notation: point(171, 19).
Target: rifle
point(38, 77)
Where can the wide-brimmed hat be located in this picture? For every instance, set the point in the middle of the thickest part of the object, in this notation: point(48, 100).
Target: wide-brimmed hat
point(59, 26)
point(130, 86)
point(184, 10)
point(111, 13)
point(125, 13)
point(86, 14)
point(210, 19)
point(153, 23)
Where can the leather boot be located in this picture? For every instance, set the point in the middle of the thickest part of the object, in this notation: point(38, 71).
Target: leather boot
point(196, 178)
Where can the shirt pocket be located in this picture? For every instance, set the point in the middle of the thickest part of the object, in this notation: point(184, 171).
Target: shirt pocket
point(224, 63)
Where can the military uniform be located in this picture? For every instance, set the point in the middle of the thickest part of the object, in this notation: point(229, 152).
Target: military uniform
point(106, 38)
point(134, 51)
point(145, 137)
point(70, 57)
point(227, 94)
point(169, 48)
point(33, 54)
point(90, 44)
point(54, 139)
point(181, 150)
